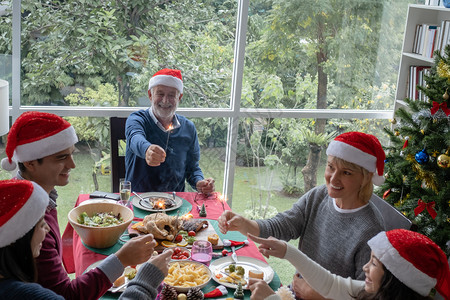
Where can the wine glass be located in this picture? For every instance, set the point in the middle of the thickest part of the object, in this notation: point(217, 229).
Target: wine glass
point(125, 193)
point(202, 252)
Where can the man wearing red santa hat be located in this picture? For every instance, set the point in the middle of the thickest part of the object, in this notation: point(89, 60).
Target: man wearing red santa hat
point(162, 147)
point(43, 144)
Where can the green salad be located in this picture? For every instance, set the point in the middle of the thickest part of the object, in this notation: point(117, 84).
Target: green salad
point(100, 219)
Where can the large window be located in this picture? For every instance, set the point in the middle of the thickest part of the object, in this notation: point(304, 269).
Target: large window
point(282, 70)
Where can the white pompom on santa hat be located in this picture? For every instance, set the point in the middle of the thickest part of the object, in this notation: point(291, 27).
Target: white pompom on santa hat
point(414, 259)
point(167, 77)
point(22, 204)
point(35, 135)
point(361, 149)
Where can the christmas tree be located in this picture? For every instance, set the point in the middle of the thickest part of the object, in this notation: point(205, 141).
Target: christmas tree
point(418, 160)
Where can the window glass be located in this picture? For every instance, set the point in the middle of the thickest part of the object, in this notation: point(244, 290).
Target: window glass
point(323, 54)
point(6, 42)
point(102, 53)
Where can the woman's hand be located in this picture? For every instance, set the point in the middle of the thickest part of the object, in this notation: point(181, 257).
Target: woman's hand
point(259, 288)
point(303, 290)
point(230, 221)
point(162, 260)
point(270, 247)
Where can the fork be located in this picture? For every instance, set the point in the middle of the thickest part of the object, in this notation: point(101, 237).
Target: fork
point(234, 255)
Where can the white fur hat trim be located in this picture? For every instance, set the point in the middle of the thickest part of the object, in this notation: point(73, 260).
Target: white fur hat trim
point(401, 268)
point(166, 80)
point(26, 218)
point(46, 146)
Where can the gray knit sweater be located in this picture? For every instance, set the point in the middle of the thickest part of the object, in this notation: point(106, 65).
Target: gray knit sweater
point(335, 240)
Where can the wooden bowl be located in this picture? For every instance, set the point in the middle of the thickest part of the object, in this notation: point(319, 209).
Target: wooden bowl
point(100, 237)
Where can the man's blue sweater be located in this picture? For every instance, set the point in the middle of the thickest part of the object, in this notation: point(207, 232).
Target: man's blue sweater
point(182, 155)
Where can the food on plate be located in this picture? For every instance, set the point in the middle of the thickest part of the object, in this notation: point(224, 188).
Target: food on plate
point(119, 281)
point(213, 239)
point(194, 225)
point(180, 253)
point(102, 219)
point(233, 278)
point(128, 273)
point(161, 202)
point(256, 274)
point(178, 238)
point(168, 244)
point(182, 244)
point(191, 233)
point(186, 274)
point(161, 225)
point(190, 240)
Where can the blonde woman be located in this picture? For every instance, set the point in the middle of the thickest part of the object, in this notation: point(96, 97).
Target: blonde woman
point(334, 221)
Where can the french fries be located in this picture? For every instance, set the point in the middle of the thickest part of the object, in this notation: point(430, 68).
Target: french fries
point(186, 274)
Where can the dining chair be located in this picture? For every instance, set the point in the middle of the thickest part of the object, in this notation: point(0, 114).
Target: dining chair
point(393, 219)
point(117, 134)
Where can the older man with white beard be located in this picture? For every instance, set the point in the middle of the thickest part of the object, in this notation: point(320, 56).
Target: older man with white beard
point(162, 147)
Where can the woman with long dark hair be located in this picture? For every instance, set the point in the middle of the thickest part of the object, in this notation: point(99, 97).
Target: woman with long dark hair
point(22, 230)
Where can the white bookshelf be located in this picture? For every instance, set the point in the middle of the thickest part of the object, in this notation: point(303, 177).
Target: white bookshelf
point(417, 14)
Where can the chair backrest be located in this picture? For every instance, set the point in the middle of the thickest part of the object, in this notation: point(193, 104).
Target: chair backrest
point(393, 219)
point(117, 133)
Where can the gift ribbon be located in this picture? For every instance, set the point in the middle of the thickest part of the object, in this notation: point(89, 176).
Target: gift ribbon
point(421, 205)
point(442, 106)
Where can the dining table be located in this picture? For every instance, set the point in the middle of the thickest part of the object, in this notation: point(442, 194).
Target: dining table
point(77, 257)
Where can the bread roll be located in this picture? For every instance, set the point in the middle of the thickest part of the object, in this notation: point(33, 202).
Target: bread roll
point(213, 239)
point(256, 274)
point(119, 281)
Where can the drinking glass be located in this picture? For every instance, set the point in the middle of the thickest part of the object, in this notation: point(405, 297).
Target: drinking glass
point(202, 252)
point(125, 192)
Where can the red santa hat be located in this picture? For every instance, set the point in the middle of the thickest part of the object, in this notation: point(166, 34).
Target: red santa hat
point(22, 204)
point(35, 135)
point(361, 149)
point(414, 259)
point(167, 77)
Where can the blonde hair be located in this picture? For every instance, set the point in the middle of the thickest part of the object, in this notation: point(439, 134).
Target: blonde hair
point(366, 190)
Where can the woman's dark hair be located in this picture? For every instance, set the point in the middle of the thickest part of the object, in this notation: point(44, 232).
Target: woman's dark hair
point(391, 289)
point(17, 261)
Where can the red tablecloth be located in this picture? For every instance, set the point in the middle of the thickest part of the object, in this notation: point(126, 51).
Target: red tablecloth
point(76, 257)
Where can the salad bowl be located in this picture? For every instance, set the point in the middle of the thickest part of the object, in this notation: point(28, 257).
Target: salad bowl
point(98, 231)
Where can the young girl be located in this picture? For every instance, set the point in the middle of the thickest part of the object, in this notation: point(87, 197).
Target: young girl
point(403, 265)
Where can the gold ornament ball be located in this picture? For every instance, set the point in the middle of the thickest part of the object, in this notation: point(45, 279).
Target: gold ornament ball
point(393, 121)
point(397, 133)
point(443, 161)
point(182, 296)
point(445, 96)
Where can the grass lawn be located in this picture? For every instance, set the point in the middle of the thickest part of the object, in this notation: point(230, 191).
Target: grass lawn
point(247, 189)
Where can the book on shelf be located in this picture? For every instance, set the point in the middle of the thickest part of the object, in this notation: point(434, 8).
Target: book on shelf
point(435, 2)
point(417, 78)
point(431, 37)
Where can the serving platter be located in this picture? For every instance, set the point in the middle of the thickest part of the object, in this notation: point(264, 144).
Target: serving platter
point(145, 203)
point(218, 266)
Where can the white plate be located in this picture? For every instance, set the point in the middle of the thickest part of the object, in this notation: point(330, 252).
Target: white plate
point(112, 289)
point(137, 202)
point(98, 201)
point(248, 263)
